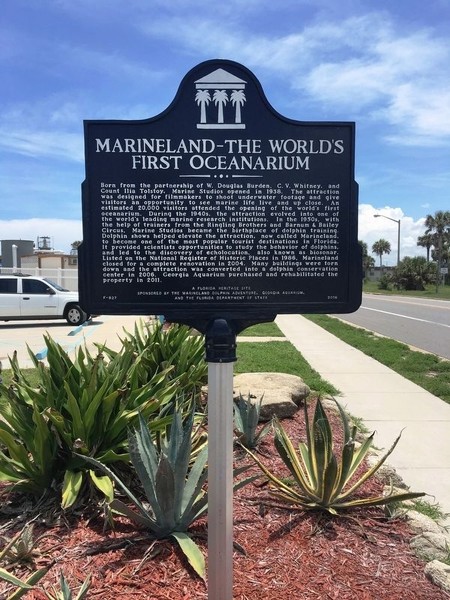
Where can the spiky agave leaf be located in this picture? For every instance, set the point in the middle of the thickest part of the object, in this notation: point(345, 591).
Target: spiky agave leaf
point(302, 472)
point(84, 588)
point(174, 492)
point(172, 489)
point(65, 593)
point(246, 419)
point(191, 551)
point(23, 586)
point(321, 480)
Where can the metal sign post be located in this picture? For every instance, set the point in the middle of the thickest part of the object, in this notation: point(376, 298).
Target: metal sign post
point(220, 355)
point(219, 215)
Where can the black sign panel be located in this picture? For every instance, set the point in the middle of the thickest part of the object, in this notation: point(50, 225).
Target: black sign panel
point(219, 206)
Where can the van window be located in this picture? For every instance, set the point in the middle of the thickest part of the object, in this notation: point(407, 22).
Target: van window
point(34, 286)
point(8, 286)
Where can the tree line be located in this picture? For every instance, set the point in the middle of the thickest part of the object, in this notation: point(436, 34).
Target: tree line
point(413, 273)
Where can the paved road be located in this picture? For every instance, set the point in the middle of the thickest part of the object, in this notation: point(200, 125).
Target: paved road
point(419, 322)
point(17, 335)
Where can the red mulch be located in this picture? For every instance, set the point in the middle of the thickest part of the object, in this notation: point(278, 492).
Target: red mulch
point(288, 555)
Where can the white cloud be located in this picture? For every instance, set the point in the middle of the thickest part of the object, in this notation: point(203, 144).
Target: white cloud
point(394, 82)
point(371, 229)
point(62, 232)
point(55, 144)
point(423, 116)
point(53, 127)
point(362, 65)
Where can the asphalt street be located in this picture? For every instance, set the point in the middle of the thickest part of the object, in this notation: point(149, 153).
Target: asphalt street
point(419, 322)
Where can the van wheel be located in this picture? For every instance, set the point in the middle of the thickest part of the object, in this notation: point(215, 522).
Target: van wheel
point(75, 315)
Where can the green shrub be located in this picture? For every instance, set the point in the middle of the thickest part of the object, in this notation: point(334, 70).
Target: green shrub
point(177, 351)
point(173, 483)
point(414, 273)
point(385, 282)
point(87, 404)
point(246, 419)
point(321, 480)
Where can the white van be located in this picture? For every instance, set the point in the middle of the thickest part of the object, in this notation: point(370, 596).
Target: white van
point(24, 297)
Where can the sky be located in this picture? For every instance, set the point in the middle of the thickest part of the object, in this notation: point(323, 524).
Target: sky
point(384, 65)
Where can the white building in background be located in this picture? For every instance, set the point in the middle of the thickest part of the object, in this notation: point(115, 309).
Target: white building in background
point(13, 250)
point(49, 259)
point(20, 256)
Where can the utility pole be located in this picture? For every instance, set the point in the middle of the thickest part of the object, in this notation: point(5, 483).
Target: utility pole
point(398, 221)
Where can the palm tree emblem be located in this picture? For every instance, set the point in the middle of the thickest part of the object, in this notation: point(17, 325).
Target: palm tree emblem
point(221, 88)
point(203, 98)
point(237, 99)
point(220, 98)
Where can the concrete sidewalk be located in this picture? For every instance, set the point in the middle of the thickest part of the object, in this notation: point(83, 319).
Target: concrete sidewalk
point(17, 335)
point(387, 403)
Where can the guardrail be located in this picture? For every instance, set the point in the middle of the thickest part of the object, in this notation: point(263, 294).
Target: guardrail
point(66, 278)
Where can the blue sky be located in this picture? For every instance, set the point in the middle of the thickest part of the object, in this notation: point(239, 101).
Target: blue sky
point(384, 65)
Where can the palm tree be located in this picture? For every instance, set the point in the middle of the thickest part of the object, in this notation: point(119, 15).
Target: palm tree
point(220, 98)
point(381, 247)
point(367, 261)
point(426, 241)
point(439, 226)
point(238, 99)
point(203, 98)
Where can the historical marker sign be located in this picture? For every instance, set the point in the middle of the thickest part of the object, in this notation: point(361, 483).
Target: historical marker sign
point(219, 206)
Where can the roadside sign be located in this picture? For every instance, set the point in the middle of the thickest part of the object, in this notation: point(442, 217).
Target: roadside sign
point(219, 206)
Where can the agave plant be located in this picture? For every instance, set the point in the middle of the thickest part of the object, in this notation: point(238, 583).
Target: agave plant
point(21, 547)
point(173, 485)
point(246, 419)
point(174, 350)
point(87, 403)
point(65, 593)
point(321, 480)
point(23, 586)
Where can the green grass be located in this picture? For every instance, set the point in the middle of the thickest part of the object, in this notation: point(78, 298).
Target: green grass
point(279, 357)
point(371, 287)
point(427, 370)
point(30, 374)
point(434, 511)
point(263, 330)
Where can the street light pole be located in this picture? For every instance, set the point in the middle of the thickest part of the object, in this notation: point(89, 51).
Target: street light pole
point(398, 221)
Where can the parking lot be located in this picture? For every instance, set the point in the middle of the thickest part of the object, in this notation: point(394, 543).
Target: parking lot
point(16, 335)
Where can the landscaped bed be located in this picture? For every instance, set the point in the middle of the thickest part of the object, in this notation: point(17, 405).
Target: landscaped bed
point(279, 553)
point(75, 414)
